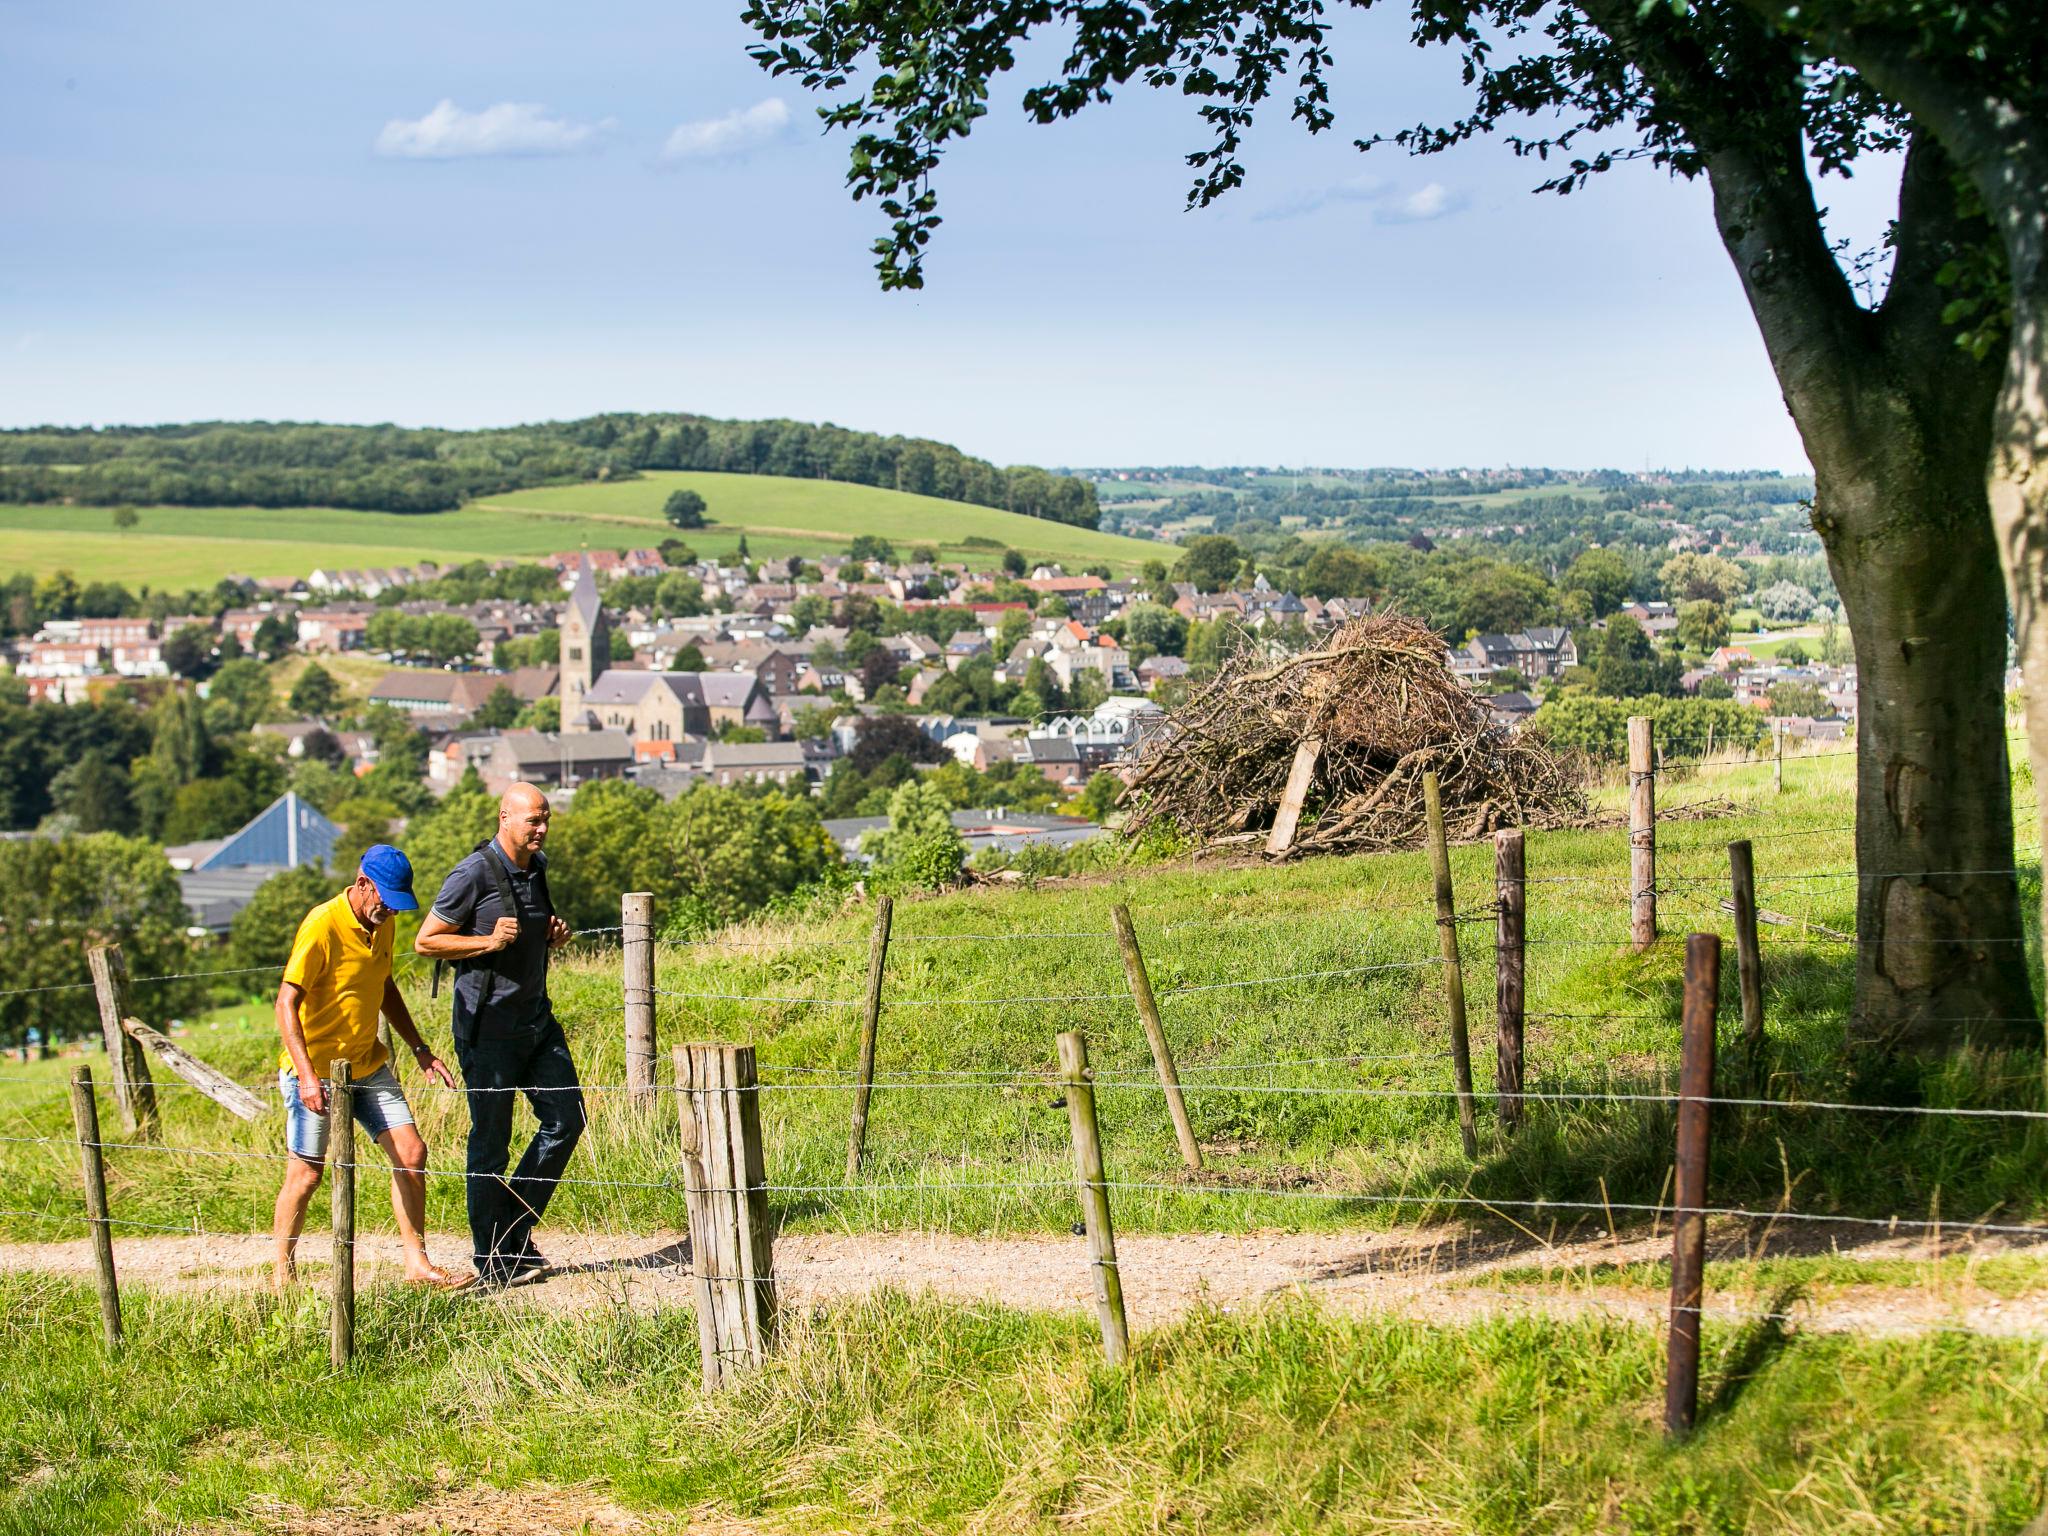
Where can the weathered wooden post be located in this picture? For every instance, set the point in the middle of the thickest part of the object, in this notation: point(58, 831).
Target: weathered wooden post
point(211, 1081)
point(636, 926)
point(1155, 1033)
point(1689, 1218)
point(1090, 1185)
point(85, 1116)
point(341, 1163)
point(1749, 957)
point(134, 1090)
point(1454, 966)
point(871, 1019)
point(1778, 756)
point(732, 1261)
point(1511, 893)
point(1642, 834)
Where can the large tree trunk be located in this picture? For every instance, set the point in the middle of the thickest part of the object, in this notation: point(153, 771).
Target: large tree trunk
point(1987, 117)
point(1897, 424)
point(1938, 962)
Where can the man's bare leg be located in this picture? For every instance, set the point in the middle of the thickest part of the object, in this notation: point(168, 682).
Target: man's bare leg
point(301, 1178)
point(408, 1154)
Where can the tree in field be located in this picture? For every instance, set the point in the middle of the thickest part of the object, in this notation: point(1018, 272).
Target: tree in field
point(684, 509)
point(1784, 602)
point(61, 896)
point(315, 695)
point(125, 517)
point(1334, 571)
point(1793, 697)
point(871, 549)
point(497, 711)
point(1211, 562)
point(1627, 664)
point(1603, 576)
point(238, 697)
point(93, 795)
point(1896, 418)
point(1155, 628)
point(189, 651)
point(877, 738)
point(1691, 578)
point(1703, 624)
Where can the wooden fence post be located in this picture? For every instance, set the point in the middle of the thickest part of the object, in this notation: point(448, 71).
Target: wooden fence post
point(85, 1115)
point(134, 1091)
point(1512, 894)
point(1778, 756)
point(732, 1260)
point(1749, 956)
point(1642, 834)
point(341, 1163)
point(871, 1020)
point(1689, 1219)
point(636, 925)
point(211, 1081)
point(1454, 966)
point(1089, 1184)
point(1155, 1033)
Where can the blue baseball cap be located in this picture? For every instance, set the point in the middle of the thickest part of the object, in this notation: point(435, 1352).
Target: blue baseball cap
point(391, 872)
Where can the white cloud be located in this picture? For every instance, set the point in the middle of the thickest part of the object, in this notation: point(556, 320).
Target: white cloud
point(735, 133)
point(1434, 201)
point(511, 128)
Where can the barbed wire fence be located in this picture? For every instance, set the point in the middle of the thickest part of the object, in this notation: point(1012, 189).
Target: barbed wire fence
point(721, 1168)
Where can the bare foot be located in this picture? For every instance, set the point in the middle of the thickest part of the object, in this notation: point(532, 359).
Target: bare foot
point(433, 1277)
point(284, 1275)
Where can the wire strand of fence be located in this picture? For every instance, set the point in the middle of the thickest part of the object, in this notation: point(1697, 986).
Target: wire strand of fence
point(86, 986)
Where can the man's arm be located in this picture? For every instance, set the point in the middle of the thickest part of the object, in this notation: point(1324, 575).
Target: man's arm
point(440, 940)
point(311, 1094)
point(400, 1015)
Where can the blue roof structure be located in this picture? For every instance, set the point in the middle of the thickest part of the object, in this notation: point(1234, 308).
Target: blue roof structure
point(288, 833)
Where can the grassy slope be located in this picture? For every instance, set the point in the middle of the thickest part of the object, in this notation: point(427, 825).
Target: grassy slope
point(935, 1147)
point(782, 516)
point(898, 1414)
point(194, 546)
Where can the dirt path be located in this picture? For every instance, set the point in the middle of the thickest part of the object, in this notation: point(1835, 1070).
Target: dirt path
point(1427, 1273)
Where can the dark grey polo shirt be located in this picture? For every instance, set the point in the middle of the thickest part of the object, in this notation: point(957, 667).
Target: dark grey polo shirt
point(508, 989)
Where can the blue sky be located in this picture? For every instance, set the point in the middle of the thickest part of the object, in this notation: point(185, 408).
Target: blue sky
point(471, 214)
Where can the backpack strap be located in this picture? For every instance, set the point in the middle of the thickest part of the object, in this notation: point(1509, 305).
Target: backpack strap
point(508, 906)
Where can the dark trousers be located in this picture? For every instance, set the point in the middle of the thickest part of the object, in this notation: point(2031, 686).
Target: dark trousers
point(535, 1061)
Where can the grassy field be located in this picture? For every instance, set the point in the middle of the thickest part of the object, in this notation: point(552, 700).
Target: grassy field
point(964, 1134)
point(899, 1414)
point(180, 547)
point(781, 516)
point(893, 1414)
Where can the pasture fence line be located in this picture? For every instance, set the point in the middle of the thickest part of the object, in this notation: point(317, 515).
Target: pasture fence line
point(721, 1170)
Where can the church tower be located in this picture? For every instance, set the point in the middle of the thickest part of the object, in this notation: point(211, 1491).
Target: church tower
point(586, 646)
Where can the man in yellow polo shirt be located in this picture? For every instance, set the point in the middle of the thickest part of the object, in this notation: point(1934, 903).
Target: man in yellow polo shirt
point(335, 984)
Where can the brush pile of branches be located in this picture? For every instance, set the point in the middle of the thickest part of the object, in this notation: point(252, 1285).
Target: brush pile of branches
point(1355, 723)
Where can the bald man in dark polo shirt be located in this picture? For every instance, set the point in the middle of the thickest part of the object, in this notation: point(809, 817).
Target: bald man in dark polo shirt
point(493, 918)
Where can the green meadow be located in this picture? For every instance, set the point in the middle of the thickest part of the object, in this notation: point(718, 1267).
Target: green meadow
point(182, 547)
point(1305, 1005)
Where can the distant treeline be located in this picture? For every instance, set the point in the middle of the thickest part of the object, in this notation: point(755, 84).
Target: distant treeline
point(396, 469)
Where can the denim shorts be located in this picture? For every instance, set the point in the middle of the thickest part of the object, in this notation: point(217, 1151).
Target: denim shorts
point(379, 1104)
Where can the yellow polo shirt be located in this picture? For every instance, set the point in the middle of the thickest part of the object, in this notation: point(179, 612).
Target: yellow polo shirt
point(342, 971)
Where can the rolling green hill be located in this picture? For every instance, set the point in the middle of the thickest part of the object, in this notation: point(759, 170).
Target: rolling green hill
point(195, 546)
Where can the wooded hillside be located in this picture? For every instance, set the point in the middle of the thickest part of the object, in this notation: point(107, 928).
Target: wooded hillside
point(398, 469)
